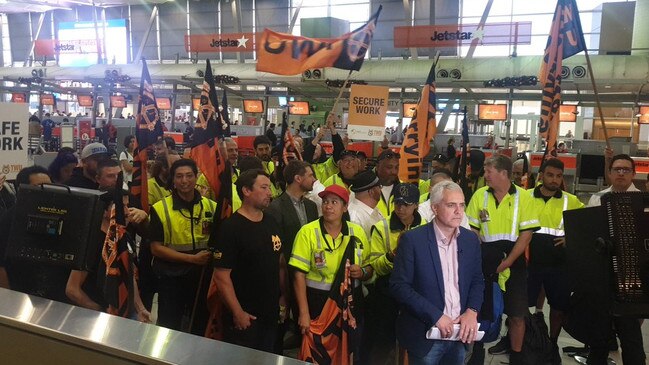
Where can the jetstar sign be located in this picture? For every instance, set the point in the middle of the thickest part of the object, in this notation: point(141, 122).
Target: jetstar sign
point(430, 36)
point(228, 42)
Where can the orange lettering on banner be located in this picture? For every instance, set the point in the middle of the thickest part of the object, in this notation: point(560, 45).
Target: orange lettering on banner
point(227, 42)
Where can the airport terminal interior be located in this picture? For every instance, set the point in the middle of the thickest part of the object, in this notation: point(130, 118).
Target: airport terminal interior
point(459, 82)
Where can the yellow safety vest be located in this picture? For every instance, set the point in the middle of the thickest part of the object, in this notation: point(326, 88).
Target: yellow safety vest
point(504, 221)
point(186, 231)
point(335, 180)
point(275, 189)
point(156, 192)
point(319, 255)
point(385, 238)
point(551, 212)
point(325, 170)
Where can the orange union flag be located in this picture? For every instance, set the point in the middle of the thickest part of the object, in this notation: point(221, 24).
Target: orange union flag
point(286, 54)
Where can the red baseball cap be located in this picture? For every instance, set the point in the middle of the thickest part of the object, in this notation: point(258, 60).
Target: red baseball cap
point(336, 190)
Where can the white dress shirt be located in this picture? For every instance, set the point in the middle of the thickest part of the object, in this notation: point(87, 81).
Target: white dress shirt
point(596, 199)
point(363, 215)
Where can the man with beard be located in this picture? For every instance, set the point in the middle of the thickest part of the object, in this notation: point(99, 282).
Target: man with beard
point(85, 176)
point(250, 267)
point(262, 148)
point(546, 265)
point(387, 169)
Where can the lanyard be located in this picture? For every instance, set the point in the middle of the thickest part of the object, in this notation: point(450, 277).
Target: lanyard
point(191, 213)
point(324, 237)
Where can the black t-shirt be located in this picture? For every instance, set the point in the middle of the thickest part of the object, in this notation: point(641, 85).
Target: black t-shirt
point(252, 250)
point(79, 180)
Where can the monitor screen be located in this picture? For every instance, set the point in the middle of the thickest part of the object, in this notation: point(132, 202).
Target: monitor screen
point(47, 99)
point(568, 113)
point(117, 101)
point(163, 103)
point(77, 42)
point(84, 100)
point(591, 167)
point(492, 111)
point(409, 109)
point(299, 108)
point(253, 106)
point(644, 115)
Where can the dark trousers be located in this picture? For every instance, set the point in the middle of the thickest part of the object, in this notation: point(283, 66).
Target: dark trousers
point(176, 297)
point(259, 336)
point(147, 281)
point(630, 335)
point(378, 345)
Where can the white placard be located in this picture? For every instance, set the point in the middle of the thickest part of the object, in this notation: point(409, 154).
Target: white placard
point(363, 132)
point(14, 139)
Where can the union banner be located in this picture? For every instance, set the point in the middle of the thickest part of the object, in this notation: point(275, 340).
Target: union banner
point(286, 54)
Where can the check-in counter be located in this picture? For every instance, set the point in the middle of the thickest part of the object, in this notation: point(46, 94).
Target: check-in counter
point(41, 331)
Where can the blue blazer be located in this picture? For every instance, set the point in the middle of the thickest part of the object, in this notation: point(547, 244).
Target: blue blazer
point(418, 286)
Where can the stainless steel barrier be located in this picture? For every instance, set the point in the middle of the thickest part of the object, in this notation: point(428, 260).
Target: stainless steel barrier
point(41, 331)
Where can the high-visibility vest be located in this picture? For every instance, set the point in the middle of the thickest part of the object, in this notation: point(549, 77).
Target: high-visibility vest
point(186, 231)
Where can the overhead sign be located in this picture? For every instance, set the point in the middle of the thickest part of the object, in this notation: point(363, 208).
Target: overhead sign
point(163, 103)
point(409, 110)
point(368, 106)
point(430, 36)
point(299, 108)
point(253, 106)
point(227, 42)
point(13, 138)
point(18, 98)
point(47, 99)
point(492, 111)
point(117, 101)
point(84, 100)
point(568, 113)
point(644, 115)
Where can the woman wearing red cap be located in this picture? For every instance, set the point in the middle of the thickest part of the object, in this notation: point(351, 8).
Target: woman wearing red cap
point(328, 297)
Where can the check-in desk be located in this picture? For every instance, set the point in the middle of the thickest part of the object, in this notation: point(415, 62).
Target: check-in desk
point(40, 331)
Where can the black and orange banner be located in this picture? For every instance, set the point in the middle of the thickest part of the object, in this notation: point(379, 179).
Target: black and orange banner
point(286, 54)
point(566, 39)
point(209, 128)
point(420, 132)
point(148, 131)
point(119, 290)
point(330, 336)
point(227, 42)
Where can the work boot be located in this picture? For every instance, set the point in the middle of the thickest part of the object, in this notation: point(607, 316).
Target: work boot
point(516, 358)
point(502, 347)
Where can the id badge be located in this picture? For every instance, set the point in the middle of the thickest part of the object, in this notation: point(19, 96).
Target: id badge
point(206, 227)
point(319, 259)
point(484, 216)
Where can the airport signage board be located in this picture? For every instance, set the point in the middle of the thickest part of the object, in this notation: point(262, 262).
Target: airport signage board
point(644, 115)
point(84, 100)
point(47, 99)
point(226, 42)
point(432, 36)
point(568, 113)
point(13, 138)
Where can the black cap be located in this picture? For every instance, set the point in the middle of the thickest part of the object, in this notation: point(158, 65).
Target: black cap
point(387, 154)
point(346, 153)
point(406, 193)
point(364, 181)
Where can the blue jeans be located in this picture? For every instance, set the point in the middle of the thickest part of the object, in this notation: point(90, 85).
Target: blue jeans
point(442, 353)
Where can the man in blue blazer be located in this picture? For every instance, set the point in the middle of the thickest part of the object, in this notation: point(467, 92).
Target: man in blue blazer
point(437, 280)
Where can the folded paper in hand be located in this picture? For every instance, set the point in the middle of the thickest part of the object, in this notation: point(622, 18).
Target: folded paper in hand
point(434, 334)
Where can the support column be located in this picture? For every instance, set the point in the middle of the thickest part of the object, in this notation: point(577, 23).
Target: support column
point(640, 41)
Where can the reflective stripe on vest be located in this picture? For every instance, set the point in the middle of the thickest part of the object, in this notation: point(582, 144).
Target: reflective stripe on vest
point(386, 232)
point(501, 236)
point(559, 230)
point(195, 244)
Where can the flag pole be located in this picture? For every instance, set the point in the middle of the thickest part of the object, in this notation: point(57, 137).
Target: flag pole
point(340, 93)
point(599, 105)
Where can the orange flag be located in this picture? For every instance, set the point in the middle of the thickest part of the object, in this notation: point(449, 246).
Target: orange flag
point(422, 129)
point(286, 54)
point(566, 39)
